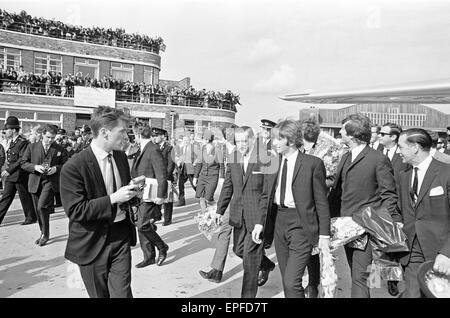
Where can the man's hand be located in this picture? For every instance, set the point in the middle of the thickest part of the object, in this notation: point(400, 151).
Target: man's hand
point(51, 171)
point(218, 218)
point(39, 168)
point(256, 233)
point(194, 181)
point(5, 174)
point(442, 264)
point(159, 201)
point(324, 243)
point(124, 194)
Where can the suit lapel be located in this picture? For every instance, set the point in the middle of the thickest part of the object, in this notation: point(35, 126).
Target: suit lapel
point(138, 159)
point(121, 168)
point(341, 166)
point(297, 166)
point(95, 169)
point(275, 175)
point(361, 155)
point(407, 185)
point(431, 173)
point(249, 170)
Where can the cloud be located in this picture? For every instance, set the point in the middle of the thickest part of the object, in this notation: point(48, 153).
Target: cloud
point(282, 80)
point(263, 50)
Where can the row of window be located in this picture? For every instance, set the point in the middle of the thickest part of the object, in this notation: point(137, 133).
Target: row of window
point(415, 120)
point(30, 119)
point(50, 62)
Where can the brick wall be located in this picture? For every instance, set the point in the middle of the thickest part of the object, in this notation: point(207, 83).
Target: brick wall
point(69, 122)
point(70, 47)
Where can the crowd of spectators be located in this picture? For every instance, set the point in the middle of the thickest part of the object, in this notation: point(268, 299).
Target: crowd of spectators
point(55, 84)
point(25, 23)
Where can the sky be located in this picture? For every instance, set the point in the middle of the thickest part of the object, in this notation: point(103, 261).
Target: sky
point(265, 49)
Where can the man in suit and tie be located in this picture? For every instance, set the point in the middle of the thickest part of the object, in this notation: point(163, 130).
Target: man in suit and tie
point(186, 163)
point(44, 160)
point(296, 184)
point(374, 139)
point(95, 193)
point(365, 178)
point(425, 206)
point(160, 139)
point(434, 151)
point(15, 179)
point(242, 190)
point(151, 164)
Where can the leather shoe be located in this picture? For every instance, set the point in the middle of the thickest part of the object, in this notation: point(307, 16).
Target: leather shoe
point(312, 291)
point(214, 275)
point(146, 262)
point(263, 275)
point(167, 223)
point(43, 241)
point(38, 240)
point(162, 255)
point(26, 222)
point(393, 288)
point(180, 203)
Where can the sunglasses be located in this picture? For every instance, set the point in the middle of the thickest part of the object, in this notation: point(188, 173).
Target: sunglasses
point(382, 134)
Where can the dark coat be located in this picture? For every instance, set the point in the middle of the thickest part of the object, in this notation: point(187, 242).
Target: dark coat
point(168, 153)
point(14, 157)
point(210, 164)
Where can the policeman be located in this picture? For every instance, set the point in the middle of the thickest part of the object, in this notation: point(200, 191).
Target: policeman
point(266, 132)
point(15, 179)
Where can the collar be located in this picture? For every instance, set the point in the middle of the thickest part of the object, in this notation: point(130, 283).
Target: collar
point(433, 151)
point(144, 142)
point(99, 152)
point(423, 166)
point(358, 149)
point(291, 156)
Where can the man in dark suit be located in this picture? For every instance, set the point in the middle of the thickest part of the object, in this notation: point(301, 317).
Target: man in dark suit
point(375, 138)
point(425, 206)
point(242, 190)
point(435, 152)
point(95, 195)
point(15, 178)
point(160, 138)
point(44, 160)
point(365, 178)
point(187, 160)
point(297, 186)
point(151, 164)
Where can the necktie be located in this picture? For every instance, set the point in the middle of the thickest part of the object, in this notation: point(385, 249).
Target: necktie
point(414, 193)
point(46, 150)
point(112, 173)
point(192, 153)
point(371, 145)
point(283, 183)
point(387, 153)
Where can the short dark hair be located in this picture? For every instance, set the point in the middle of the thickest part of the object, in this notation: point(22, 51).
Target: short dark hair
point(49, 128)
point(418, 136)
point(359, 127)
point(146, 131)
point(108, 117)
point(291, 130)
point(311, 130)
point(395, 129)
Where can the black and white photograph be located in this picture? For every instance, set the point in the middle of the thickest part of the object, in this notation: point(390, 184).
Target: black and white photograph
point(232, 152)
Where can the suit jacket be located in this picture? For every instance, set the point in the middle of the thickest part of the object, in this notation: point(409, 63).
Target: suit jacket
point(310, 195)
point(2, 156)
point(189, 159)
point(243, 192)
point(151, 164)
point(168, 153)
point(88, 206)
point(429, 217)
point(13, 160)
point(210, 164)
point(133, 152)
point(398, 165)
point(369, 182)
point(34, 155)
point(442, 157)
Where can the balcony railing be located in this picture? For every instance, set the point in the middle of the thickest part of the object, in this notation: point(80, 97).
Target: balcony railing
point(59, 34)
point(49, 89)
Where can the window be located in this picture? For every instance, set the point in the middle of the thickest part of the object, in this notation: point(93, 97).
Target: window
point(22, 115)
point(189, 125)
point(10, 58)
point(2, 114)
point(122, 71)
point(44, 63)
point(151, 75)
point(49, 116)
point(87, 67)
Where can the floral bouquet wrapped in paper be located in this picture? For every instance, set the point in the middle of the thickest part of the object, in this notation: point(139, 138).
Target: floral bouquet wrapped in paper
point(206, 222)
point(330, 150)
point(328, 276)
point(344, 230)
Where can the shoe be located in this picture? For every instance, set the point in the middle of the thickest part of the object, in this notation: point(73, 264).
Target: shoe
point(180, 203)
point(263, 275)
point(43, 241)
point(146, 262)
point(38, 240)
point(26, 222)
point(393, 288)
point(162, 255)
point(214, 275)
point(312, 291)
point(167, 223)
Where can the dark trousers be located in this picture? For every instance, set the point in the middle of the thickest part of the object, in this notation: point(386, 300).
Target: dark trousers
point(359, 262)
point(168, 210)
point(293, 251)
point(181, 181)
point(58, 199)
point(148, 237)
point(9, 192)
point(314, 271)
point(253, 258)
point(412, 288)
point(109, 275)
point(43, 204)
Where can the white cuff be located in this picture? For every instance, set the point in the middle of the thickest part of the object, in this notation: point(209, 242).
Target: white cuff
point(324, 236)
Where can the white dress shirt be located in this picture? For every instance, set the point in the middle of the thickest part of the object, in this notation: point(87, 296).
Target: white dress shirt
point(376, 144)
point(288, 197)
point(391, 153)
point(357, 150)
point(423, 167)
point(105, 168)
point(247, 159)
point(144, 142)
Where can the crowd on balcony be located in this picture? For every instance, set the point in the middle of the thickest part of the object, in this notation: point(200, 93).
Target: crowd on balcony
point(55, 84)
point(25, 23)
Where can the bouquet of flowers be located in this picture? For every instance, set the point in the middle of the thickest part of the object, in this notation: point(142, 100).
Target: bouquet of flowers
point(344, 230)
point(206, 222)
point(328, 276)
point(330, 151)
